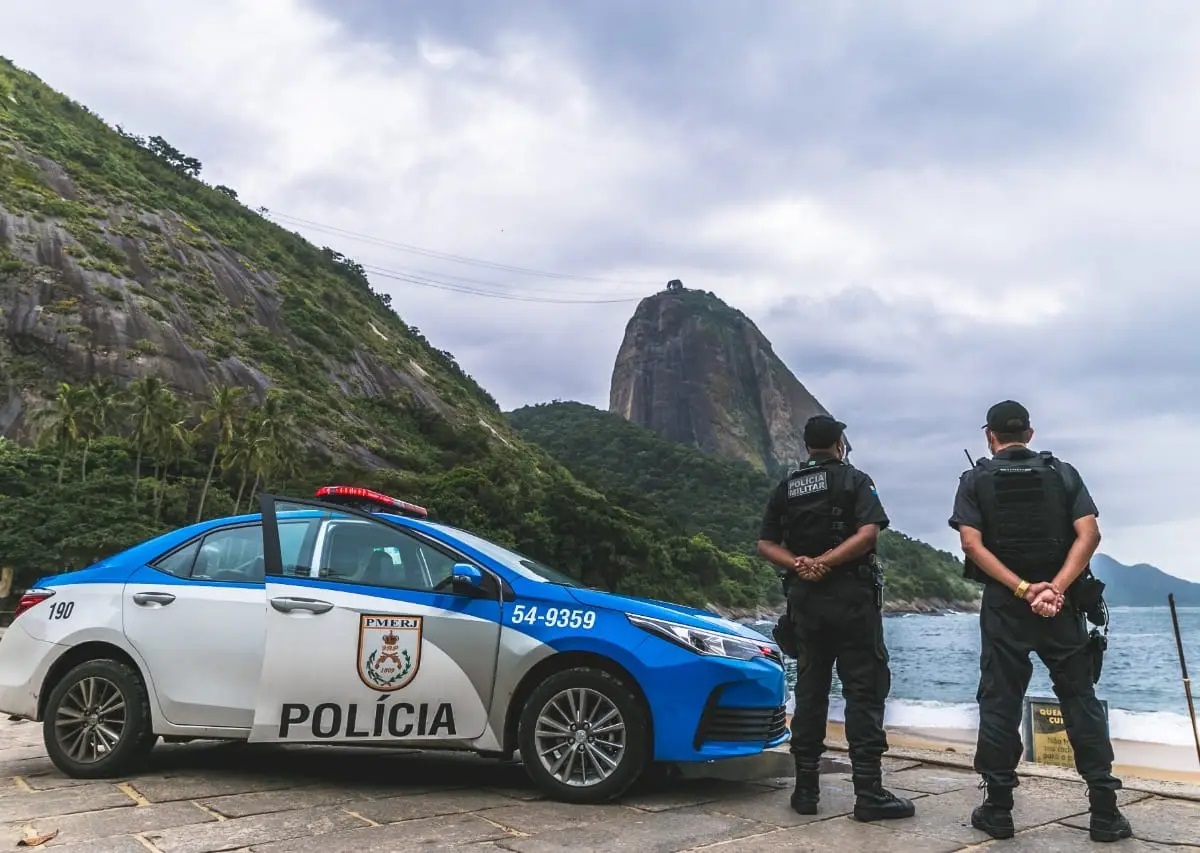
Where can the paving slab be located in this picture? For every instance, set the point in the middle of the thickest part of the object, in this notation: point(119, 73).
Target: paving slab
point(844, 833)
point(661, 832)
point(27, 806)
point(89, 826)
point(693, 792)
point(933, 780)
point(116, 844)
point(1058, 838)
point(548, 815)
point(259, 829)
point(411, 806)
point(1167, 822)
point(774, 807)
point(413, 835)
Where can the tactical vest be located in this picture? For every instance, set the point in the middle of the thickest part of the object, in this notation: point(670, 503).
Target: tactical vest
point(1026, 515)
point(819, 507)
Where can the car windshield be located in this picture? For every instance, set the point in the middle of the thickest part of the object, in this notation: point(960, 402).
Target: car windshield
point(527, 567)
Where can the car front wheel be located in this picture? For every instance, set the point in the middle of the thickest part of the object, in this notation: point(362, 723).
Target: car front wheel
point(583, 736)
point(97, 721)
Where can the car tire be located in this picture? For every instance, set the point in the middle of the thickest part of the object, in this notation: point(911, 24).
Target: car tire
point(109, 683)
point(603, 693)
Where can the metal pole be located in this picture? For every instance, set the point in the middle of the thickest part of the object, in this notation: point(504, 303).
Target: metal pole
point(1187, 684)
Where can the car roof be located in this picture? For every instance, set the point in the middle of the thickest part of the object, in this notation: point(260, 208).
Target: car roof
point(150, 548)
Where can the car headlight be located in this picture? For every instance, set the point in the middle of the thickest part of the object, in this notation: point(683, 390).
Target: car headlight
point(705, 642)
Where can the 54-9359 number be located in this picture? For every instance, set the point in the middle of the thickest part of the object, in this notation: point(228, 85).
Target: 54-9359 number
point(553, 617)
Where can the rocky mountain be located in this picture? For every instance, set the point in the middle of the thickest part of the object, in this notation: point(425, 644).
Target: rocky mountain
point(118, 262)
point(1142, 585)
point(166, 352)
point(696, 371)
point(703, 495)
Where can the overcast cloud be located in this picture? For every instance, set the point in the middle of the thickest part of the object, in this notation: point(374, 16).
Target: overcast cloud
point(927, 207)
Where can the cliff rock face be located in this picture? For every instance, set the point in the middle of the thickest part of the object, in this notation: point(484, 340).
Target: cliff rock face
point(699, 372)
point(116, 262)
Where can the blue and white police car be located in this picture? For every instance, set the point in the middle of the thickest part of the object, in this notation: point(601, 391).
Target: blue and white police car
point(351, 618)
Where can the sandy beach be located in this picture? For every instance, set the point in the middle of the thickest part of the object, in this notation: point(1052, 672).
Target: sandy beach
point(1133, 759)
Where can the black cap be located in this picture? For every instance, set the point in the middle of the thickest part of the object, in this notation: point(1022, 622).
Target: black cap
point(822, 431)
point(1007, 416)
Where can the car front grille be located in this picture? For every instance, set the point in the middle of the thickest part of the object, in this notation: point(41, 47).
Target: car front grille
point(740, 724)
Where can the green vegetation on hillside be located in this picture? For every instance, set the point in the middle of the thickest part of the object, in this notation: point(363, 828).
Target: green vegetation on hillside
point(699, 492)
point(112, 227)
point(156, 236)
point(77, 495)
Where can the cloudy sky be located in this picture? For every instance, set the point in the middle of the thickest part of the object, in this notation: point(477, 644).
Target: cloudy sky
point(927, 207)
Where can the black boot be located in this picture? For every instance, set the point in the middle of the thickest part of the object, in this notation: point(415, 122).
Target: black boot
point(1107, 823)
point(808, 785)
point(995, 815)
point(874, 802)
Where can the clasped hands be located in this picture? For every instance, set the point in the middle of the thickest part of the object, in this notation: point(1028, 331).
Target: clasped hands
point(1044, 599)
point(809, 568)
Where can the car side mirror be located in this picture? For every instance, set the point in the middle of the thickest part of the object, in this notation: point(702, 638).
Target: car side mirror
point(464, 574)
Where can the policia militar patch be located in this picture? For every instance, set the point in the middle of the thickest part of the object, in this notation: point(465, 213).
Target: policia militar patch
point(808, 483)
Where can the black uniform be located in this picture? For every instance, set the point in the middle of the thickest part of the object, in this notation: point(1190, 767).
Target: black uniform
point(1025, 505)
point(837, 619)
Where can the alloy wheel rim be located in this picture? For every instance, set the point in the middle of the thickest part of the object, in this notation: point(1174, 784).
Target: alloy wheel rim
point(580, 737)
point(90, 719)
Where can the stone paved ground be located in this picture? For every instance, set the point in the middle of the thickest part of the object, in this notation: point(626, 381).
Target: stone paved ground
point(213, 797)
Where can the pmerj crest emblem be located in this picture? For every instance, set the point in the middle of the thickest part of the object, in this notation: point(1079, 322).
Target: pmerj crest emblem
point(389, 650)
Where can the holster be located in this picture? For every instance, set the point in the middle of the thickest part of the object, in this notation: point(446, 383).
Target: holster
point(1097, 645)
point(1087, 597)
point(785, 634)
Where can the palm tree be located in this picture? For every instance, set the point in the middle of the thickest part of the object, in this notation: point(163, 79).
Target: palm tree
point(222, 411)
point(148, 398)
point(61, 424)
point(237, 456)
point(170, 442)
point(276, 440)
point(99, 403)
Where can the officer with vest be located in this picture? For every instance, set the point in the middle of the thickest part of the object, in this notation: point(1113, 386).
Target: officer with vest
point(820, 527)
point(1028, 529)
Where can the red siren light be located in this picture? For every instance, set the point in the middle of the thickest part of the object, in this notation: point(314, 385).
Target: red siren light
point(354, 494)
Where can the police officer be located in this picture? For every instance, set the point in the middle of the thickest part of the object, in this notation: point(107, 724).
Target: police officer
point(1028, 529)
point(820, 527)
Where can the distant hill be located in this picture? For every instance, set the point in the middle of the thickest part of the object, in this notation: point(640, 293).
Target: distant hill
point(1142, 585)
point(704, 494)
point(699, 372)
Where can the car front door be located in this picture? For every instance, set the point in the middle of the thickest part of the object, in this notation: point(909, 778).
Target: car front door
point(367, 636)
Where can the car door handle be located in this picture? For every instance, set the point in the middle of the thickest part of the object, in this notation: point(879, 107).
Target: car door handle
point(145, 598)
point(291, 605)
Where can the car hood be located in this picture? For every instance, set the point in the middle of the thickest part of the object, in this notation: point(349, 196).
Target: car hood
point(669, 610)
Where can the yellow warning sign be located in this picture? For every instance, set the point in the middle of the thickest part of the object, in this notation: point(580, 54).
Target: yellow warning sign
point(1046, 733)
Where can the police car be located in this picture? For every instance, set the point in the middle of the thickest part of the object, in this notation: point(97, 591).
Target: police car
point(351, 618)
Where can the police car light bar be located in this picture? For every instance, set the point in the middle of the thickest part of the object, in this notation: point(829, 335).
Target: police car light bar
point(376, 500)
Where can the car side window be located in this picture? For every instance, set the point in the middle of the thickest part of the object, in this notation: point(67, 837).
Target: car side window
point(179, 562)
point(234, 554)
point(373, 554)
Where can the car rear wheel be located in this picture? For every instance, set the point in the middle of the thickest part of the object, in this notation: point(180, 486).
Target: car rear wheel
point(97, 721)
point(583, 736)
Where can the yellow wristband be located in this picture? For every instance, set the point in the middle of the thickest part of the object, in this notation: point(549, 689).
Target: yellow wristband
point(1021, 589)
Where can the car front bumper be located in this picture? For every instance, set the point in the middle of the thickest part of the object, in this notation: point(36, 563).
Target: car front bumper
point(707, 707)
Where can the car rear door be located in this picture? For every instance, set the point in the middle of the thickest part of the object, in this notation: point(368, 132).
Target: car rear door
point(366, 637)
point(195, 616)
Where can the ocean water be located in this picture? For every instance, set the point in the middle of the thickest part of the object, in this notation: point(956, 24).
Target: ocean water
point(935, 672)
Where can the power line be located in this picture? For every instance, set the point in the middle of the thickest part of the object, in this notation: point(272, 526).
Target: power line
point(421, 281)
point(448, 256)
